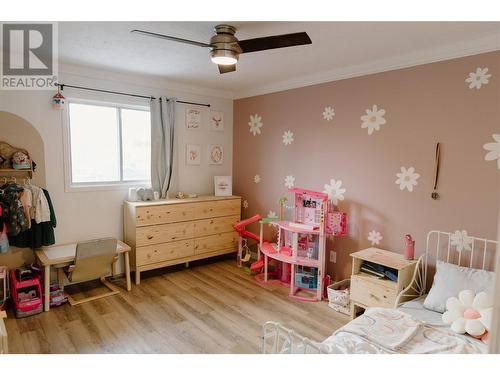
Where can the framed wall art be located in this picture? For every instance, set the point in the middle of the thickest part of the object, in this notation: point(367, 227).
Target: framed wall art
point(193, 155)
point(215, 155)
point(193, 119)
point(216, 121)
point(223, 186)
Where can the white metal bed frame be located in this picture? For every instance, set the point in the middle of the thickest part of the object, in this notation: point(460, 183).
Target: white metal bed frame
point(278, 339)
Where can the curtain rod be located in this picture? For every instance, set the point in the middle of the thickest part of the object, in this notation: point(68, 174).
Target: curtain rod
point(63, 85)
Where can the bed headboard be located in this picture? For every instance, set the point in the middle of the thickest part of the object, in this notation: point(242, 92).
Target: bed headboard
point(457, 248)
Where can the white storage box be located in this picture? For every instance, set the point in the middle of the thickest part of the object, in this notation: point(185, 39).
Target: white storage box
point(339, 296)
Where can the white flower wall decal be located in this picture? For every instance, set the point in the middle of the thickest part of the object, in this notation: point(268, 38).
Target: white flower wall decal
point(245, 204)
point(256, 178)
point(374, 237)
point(493, 150)
point(461, 240)
point(478, 78)
point(289, 181)
point(407, 179)
point(373, 119)
point(255, 124)
point(328, 113)
point(287, 138)
point(272, 215)
point(335, 191)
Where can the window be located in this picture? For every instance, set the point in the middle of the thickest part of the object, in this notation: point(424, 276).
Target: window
point(108, 144)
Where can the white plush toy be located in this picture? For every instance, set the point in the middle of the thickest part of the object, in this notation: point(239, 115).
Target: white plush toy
point(470, 313)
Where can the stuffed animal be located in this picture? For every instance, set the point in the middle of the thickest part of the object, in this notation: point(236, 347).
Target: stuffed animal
point(470, 313)
point(7, 152)
point(145, 194)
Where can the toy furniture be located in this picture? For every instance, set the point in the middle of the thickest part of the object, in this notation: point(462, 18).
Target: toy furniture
point(175, 231)
point(60, 256)
point(244, 235)
point(371, 291)
point(94, 259)
point(26, 293)
point(300, 248)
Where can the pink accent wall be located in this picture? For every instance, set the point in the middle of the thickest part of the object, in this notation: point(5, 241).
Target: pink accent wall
point(423, 105)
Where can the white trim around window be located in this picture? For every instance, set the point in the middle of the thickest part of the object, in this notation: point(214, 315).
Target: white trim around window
point(71, 186)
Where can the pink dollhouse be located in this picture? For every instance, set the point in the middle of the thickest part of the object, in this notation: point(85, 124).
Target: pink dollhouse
point(300, 247)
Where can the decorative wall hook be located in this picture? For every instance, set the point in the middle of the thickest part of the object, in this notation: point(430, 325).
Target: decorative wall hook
point(435, 194)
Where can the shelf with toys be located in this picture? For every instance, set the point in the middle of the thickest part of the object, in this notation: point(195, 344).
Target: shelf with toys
point(297, 258)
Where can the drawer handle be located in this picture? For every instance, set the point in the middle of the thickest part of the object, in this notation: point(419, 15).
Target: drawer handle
point(374, 296)
point(150, 236)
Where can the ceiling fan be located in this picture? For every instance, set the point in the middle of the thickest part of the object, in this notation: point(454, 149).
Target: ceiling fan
point(225, 48)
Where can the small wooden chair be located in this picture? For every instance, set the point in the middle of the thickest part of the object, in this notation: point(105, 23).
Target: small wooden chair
point(94, 259)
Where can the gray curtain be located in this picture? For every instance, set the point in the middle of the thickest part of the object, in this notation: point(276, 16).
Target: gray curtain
point(162, 143)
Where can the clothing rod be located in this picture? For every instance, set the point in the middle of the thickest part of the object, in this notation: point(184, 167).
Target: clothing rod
point(63, 85)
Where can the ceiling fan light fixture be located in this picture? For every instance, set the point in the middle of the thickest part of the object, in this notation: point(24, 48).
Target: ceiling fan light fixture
point(224, 57)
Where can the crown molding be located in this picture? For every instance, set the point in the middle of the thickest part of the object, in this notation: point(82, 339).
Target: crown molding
point(485, 44)
point(141, 80)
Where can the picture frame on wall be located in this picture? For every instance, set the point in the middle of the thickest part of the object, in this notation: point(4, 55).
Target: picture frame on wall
point(193, 119)
point(223, 186)
point(193, 154)
point(217, 121)
point(215, 155)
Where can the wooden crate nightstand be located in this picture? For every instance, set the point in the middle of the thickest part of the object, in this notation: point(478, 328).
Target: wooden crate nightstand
point(370, 291)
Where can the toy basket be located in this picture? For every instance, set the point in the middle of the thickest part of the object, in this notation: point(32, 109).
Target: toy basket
point(340, 299)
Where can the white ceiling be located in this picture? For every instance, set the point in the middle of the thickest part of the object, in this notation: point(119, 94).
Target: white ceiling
point(338, 50)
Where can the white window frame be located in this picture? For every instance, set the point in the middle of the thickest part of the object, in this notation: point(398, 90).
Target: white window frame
point(71, 186)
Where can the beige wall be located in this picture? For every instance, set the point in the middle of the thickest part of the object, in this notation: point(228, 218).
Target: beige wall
point(423, 105)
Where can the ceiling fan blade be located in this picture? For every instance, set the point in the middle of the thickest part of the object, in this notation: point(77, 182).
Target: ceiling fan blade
point(276, 41)
point(172, 38)
point(226, 68)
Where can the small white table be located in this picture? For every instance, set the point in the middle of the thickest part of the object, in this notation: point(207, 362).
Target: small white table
point(61, 256)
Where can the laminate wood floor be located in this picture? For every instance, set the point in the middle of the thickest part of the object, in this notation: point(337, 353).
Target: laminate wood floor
point(211, 307)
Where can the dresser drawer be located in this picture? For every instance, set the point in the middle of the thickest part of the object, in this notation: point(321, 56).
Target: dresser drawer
point(228, 207)
point(372, 293)
point(209, 244)
point(163, 252)
point(162, 214)
point(153, 234)
point(215, 225)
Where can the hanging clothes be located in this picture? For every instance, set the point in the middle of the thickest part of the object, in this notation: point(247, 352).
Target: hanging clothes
point(16, 220)
point(40, 234)
point(39, 207)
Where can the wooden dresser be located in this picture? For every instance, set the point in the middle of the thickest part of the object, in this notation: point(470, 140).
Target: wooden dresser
point(167, 232)
point(370, 291)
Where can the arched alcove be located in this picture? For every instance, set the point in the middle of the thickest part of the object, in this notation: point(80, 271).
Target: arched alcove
point(20, 133)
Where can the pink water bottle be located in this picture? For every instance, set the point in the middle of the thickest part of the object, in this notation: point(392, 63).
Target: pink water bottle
point(409, 252)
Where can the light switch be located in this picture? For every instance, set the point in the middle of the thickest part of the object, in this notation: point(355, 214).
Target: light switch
point(333, 256)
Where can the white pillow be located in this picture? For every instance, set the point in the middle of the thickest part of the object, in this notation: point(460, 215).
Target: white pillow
point(450, 279)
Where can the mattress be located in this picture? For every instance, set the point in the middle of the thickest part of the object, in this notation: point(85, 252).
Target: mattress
point(407, 330)
point(417, 310)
